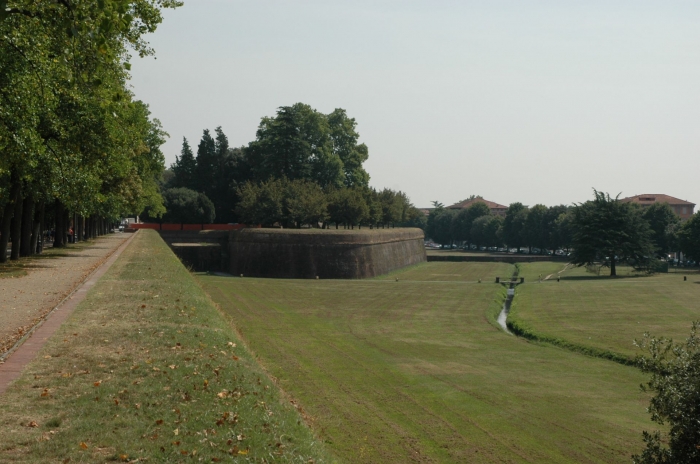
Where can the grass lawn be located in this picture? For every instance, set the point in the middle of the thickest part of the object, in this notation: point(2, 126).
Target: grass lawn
point(608, 313)
point(415, 370)
point(147, 368)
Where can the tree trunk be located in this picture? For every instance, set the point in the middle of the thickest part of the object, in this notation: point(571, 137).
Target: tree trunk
point(42, 227)
point(36, 228)
point(25, 244)
point(613, 271)
point(17, 227)
point(58, 237)
point(15, 190)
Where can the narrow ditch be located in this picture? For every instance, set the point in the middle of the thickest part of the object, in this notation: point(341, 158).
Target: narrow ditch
point(503, 315)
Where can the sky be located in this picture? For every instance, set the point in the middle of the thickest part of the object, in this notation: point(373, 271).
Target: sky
point(529, 101)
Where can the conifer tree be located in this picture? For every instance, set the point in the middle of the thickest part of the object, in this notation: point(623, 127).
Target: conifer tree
point(185, 167)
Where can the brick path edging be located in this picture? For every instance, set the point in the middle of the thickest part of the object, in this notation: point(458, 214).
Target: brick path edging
point(27, 348)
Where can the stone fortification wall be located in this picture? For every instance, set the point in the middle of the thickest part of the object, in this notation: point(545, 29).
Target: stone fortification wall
point(204, 250)
point(328, 254)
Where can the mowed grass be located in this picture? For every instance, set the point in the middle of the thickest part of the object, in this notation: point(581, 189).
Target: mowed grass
point(413, 371)
point(608, 313)
point(438, 271)
point(147, 369)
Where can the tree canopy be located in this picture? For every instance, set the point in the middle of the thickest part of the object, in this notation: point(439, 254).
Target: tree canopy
point(675, 376)
point(75, 142)
point(608, 230)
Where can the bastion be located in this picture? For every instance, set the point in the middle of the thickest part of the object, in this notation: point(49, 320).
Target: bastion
point(323, 253)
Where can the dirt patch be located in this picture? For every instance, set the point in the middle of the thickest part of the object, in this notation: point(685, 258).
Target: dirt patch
point(26, 299)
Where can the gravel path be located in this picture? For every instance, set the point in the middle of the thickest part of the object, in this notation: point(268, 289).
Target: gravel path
point(25, 300)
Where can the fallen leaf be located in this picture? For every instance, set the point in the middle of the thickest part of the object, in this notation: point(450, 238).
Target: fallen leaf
point(159, 422)
point(98, 383)
point(183, 452)
point(176, 431)
point(222, 394)
point(143, 306)
point(245, 451)
point(234, 357)
point(124, 457)
point(32, 424)
point(83, 445)
point(172, 366)
point(45, 392)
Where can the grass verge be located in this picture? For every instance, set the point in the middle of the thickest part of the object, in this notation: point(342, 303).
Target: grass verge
point(148, 369)
point(414, 370)
point(602, 316)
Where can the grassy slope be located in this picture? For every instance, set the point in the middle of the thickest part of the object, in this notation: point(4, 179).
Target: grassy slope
point(608, 314)
point(146, 368)
point(413, 371)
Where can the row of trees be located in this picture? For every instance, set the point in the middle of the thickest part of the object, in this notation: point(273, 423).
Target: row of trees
point(75, 144)
point(604, 230)
point(297, 203)
point(303, 168)
point(540, 226)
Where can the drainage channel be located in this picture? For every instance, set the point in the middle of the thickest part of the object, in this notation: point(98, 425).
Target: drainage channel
point(503, 315)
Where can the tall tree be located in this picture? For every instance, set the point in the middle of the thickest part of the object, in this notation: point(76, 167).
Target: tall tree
point(664, 224)
point(536, 233)
point(689, 237)
point(514, 225)
point(344, 139)
point(464, 219)
point(608, 230)
point(185, 167)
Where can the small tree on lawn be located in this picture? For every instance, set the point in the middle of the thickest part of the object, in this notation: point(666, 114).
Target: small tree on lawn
point(675, 382)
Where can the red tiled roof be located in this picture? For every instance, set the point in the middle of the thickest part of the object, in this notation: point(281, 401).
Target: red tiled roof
point(650, 198)
point(468, 203)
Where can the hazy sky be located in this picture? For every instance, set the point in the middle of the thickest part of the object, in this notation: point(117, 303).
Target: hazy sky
point(531, 101)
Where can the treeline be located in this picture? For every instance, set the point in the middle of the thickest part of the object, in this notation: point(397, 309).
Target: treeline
point(603, 230)
point(304, 168)
point(546, 228)
point(77, 149)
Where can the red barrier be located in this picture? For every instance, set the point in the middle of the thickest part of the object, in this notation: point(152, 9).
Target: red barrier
point(145, 226)
point(223, 226)
point(170, 227)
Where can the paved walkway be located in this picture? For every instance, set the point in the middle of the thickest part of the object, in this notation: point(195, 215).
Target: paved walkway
point(25, 300)
point(27, 351)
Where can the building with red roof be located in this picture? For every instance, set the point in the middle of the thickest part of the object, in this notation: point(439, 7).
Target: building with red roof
point(684, 209)
point(496, 209)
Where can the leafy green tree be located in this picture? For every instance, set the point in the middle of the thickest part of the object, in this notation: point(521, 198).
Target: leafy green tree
point(562, 234)
point(464, 219)
point(675, 376)
point(550, 225)
point(186, 206)
point(536, 232)
point(295, 144)
point(347, 206)
point(392, 206)
point(689, 237)
point(514, 228)
point(305, 203)
point(485, 230)
point(344, 141)
point(608, 230)
point(664, 224)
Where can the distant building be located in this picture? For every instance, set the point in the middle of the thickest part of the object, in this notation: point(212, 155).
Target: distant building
point(496, 209)
point(684, 209)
